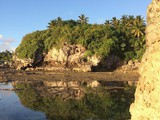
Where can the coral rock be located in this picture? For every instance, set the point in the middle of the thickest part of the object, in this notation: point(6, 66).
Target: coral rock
point(147, 103)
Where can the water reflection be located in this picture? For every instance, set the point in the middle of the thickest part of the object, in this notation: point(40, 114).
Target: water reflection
point(12, 109)
point(72, 101)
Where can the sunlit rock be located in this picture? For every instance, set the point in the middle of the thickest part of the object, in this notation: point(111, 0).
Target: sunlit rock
point(67, 57)
point(71, 57)
point(147, 103)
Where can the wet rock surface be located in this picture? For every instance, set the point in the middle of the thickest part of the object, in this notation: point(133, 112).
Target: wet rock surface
point(9, 74)
point(67, 84)
point(72, 95)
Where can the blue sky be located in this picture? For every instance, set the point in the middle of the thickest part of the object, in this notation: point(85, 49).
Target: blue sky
point(19, 17)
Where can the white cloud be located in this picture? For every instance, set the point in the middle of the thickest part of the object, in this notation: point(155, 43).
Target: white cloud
point(6, 44)
point(1, 36)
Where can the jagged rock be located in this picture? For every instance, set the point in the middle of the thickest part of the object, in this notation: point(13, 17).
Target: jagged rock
point(94, 83)
point(70, 57)
point(130, 66)
point(147, 103)
point(67, 57)
point(21, 63)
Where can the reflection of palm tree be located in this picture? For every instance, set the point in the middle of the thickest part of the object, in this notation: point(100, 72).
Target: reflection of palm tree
point(83, 19)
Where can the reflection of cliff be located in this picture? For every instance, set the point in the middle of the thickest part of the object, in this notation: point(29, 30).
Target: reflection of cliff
point(74, 100)
point(147, 103)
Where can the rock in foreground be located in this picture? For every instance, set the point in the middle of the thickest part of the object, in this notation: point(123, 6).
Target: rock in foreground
point(147, 103)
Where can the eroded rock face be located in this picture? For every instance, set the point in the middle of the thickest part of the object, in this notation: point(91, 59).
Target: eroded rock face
point(71, 57)
point(21, 63)
point(147, 103)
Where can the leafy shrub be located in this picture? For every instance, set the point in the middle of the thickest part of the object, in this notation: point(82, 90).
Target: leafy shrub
point(5, 56)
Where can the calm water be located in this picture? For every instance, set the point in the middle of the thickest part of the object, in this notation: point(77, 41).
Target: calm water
point(12, 109)
point(40, 102)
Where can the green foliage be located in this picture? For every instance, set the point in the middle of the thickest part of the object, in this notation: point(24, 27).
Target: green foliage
point(96, 103)
point(30, 43)
point(83, 19)
point(5, 56)
point(122, 100)
point(123, 37)
point(87, 53)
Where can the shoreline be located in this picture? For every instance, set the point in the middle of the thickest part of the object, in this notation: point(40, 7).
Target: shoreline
point(10, 74)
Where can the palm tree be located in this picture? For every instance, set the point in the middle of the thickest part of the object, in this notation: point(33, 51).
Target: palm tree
point(59, 21)
point(70, 22)
point(124, 19)
point(52, 24)
point(83, 19)
point(107, 23)
point(139, 19)
point(124, 22)
point(115, 22)
point(137, 31)
point(131, 20)
point(138, 27)
point(56, 22)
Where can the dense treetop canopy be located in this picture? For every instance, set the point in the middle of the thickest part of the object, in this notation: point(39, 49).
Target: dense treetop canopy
point(5, 56)
point(124, 37)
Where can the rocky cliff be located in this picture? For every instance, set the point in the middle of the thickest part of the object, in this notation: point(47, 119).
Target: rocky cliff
point(147, 103)
point(70, 57)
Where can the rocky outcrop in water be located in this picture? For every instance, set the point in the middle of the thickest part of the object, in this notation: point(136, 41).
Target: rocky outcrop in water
point(147, 103)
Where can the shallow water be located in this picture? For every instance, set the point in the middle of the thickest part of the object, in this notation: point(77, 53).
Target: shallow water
point(36, 101)
point(12, 109)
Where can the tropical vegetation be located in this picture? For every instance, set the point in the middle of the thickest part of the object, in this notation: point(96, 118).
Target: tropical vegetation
point(97, 103)
point(124, 37)
point(5, 56)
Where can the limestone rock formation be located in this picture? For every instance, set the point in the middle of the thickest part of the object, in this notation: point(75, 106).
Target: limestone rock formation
point(70, 57)
point(147, 103)
point(21, 63)
point(130, 66)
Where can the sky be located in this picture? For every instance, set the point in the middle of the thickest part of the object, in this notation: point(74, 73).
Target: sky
point(20, 17)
